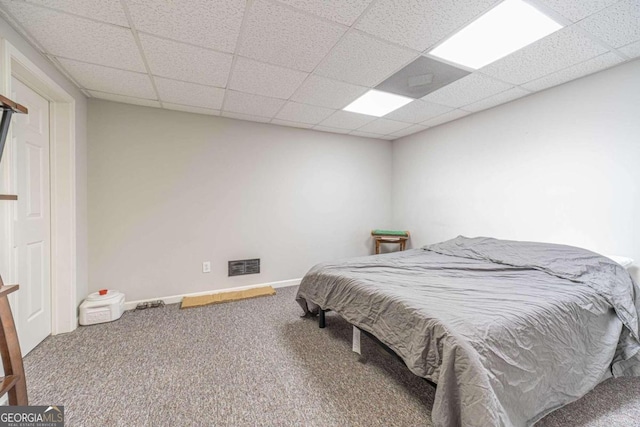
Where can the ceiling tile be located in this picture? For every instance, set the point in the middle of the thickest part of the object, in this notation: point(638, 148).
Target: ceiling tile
point(317, 90)
point(590, 66)
point(280, 35)
point(420, 24)
point(190, 94)
point(342, 11)
point(330, 129)
point(576, 10)
point(125, 99)
point(347, 120)
point(291, 124)
point(409, 131)
point(110, 11)
point(298, 34)
point(250, 76)
point(552, 53)
point(303, 113)
point(180, 61)
point(468, 89)
point(446, 117)
point(617, 25)
point(363, 60)
point(246, 117)
point(252, 105)
point(417, 111)
point(500, 98)
point(421, 77)
point(189, 109)
point(211, 24)
point(632, 50)
point(383, 126)
point(105, 79)
point(366, 134)
point(78, 38)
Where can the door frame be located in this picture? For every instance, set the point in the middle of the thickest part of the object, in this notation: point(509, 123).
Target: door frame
point(62, 160)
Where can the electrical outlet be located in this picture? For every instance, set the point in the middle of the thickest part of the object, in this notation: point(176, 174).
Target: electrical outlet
point(206, 267)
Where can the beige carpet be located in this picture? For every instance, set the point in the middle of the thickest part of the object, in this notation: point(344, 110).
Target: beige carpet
point(252, 363)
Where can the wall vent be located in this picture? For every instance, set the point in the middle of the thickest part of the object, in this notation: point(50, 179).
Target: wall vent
point(244, 266)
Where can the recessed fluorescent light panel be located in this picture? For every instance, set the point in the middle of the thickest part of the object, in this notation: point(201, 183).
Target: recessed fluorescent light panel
point(510, 26)
point(377, 103)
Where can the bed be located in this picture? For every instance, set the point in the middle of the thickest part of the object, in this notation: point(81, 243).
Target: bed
point(509, 331)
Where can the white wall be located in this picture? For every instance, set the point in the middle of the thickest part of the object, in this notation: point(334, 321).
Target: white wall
point(8, 33)
point(562, 166)
point(169, 190)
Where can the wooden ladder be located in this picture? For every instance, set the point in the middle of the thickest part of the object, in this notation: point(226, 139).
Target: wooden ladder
point(14, 381)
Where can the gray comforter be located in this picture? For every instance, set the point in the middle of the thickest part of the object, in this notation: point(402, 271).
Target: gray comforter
point(508, 330)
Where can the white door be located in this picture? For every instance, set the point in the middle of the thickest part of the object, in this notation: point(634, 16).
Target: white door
point(32, 239)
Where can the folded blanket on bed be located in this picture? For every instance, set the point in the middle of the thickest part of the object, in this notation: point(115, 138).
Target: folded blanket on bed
point(508, 330)
point(398, 233)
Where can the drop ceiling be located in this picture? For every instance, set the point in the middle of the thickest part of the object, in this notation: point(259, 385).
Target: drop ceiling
point(299, 62)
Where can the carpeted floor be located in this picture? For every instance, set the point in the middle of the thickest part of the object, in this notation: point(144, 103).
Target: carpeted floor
point(252, 363)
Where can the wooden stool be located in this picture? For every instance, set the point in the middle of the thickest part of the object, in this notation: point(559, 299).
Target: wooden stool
point(14, 381)
point(400, 240)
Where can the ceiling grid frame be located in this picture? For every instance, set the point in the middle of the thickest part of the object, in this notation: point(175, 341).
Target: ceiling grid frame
point(349, 29)
point(239, 41)
point(15, 24)
point(125, 7)
point(588, 63)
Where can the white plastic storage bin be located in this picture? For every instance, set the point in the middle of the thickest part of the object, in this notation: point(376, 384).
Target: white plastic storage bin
point(102, 308)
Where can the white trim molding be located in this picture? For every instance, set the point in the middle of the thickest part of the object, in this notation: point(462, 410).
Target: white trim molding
point(63, 185)
point(174, 299)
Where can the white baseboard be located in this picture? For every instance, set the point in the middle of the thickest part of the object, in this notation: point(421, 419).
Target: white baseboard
point(174, 299)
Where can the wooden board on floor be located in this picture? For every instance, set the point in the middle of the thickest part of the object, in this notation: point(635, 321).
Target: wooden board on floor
point(199, 301)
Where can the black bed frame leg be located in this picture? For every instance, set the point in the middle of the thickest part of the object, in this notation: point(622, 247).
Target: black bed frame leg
point(321, 321)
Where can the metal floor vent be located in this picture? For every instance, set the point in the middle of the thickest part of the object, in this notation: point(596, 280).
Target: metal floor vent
point(244, 266)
